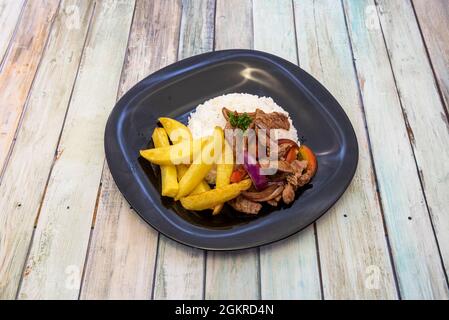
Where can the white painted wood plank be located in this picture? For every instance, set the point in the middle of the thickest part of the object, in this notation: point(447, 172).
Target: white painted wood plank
point(123, 248)
point(61, 238)
point(424, 111)
point(197, 27)
point(9, 16)
point(289, 269)
point(234, 24)
point(415, 253)
point(433, 19)
point(31, 160)
point(180, 269)
point(351, 238)
point(20, 65)
point(233, 275)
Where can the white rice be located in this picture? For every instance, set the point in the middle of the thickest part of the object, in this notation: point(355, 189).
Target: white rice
point(209, 114)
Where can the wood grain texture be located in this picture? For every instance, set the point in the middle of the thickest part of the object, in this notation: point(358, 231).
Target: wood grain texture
point(353, 250)
point(425, 119)
point(180, 269)
point(123, 248)
point(233, 275)
point(433, 17)
point(31, 160)
point(289, 269)
point(414, 249)
point(234, 24)
point(58, 252)
point(197, 27)
point(274, 28)
point(9, 17)
point(20, 67)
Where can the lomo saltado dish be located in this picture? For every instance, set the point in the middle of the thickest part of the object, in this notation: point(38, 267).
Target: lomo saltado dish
point(237, 149)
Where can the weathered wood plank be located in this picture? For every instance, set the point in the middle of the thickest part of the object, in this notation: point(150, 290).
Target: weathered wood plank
point(123, 248)
point(433, 18)
point(353, 250)
point(9, 16)
point(31, 160)
point(289, 269)
point(234, 24)
point(414, 249)
point(233, 275)
point(197, 27)
point(426, 122)
point(20, 67)
point(58, 252)
point(180, 269)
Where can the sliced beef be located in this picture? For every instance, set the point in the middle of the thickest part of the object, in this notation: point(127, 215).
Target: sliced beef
point(283, 149)
point(272, 120)
point(288, 194)
point(282, 166)
point(299, 178)
point(244, 205)
point(274, 202)
point(267, 194)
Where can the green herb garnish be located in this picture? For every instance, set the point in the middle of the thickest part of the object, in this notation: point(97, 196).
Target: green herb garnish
point(241, 121)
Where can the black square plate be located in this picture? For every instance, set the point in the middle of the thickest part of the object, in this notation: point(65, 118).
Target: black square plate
point(175, 91)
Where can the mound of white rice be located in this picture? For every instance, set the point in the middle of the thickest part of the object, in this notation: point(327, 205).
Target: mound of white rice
point(209, 114)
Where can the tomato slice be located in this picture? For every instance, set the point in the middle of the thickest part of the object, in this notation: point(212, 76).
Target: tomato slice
point(306, 153)
point(238, 175)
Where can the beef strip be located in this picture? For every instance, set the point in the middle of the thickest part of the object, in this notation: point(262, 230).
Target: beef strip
point(281, 166)
point(274, 202)
point(288, 194)
point(244, 205)
point(272, 120)
point(299, 178)
point(267, 194)
point(283, 149)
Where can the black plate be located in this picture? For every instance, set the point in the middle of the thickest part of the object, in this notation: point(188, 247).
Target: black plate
point(175, 91)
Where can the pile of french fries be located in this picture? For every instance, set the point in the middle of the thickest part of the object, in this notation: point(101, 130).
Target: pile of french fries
point(185, 163)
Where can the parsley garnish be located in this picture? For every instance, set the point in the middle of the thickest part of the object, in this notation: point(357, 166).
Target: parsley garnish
point(241, 121)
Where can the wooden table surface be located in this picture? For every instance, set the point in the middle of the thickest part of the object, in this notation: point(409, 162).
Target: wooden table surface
point(67, 233)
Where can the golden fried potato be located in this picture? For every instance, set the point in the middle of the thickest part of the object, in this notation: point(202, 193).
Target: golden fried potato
point(169, 175)
point(175, 130)
point(224, 170)
point(212, 198)
point(174, 154)
point(201, 187)
point(202, 163)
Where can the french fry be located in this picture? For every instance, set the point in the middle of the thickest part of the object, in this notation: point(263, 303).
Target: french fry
point(169, 176)
point(214, 197)
point(201, 187)
point(202, 163)
point(224, 171)
point(174, 154)
point(175, 130)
